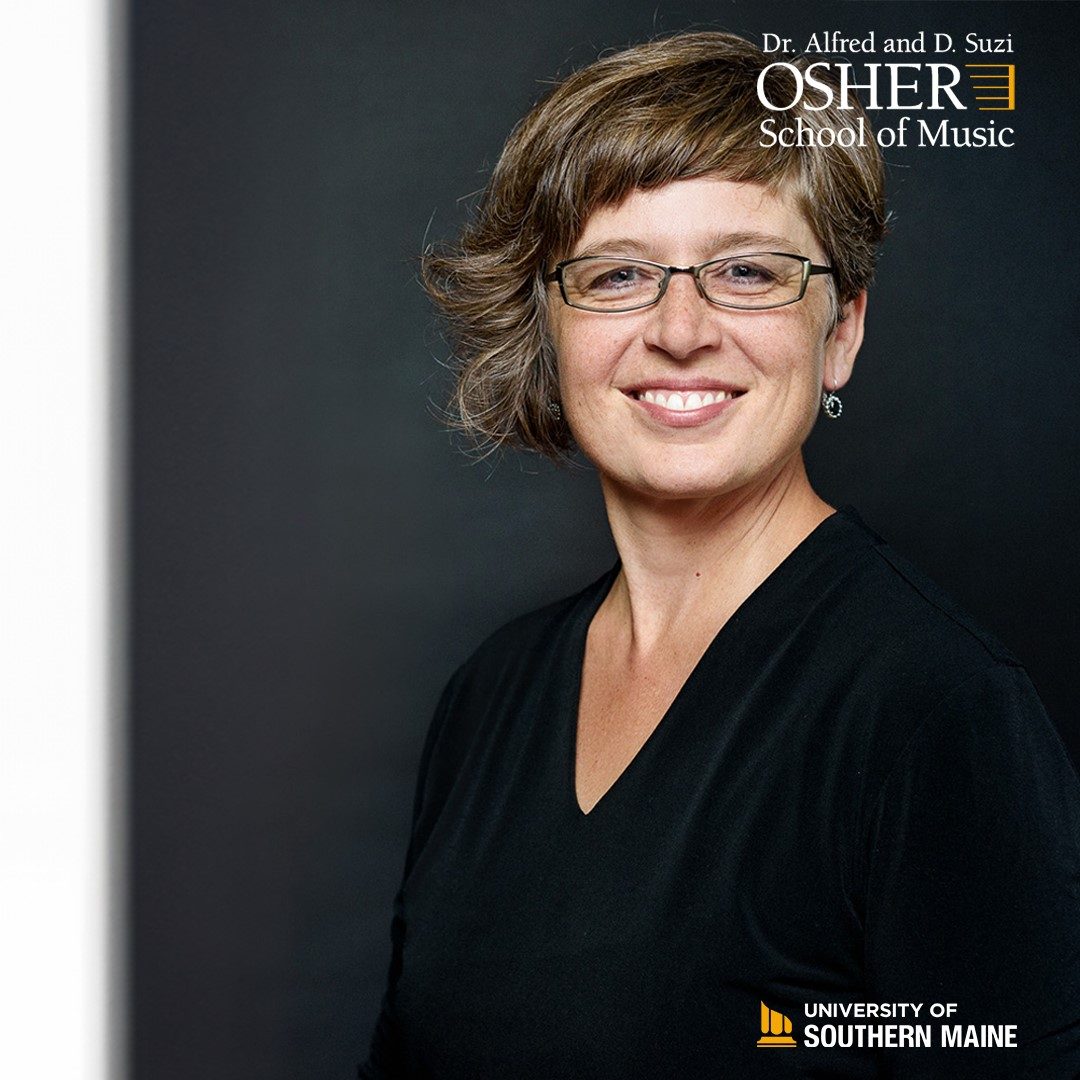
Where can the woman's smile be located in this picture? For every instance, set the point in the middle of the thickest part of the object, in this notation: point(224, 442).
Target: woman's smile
point(684, 405)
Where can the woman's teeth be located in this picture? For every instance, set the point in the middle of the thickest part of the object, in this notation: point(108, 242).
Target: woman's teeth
point(679, 401)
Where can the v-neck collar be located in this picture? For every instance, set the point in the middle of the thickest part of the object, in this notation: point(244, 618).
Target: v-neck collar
point(804, 573)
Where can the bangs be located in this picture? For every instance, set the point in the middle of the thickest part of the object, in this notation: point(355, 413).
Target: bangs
point(644, 130)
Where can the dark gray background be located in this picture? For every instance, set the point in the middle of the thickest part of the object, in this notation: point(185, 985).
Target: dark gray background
point(312, 558)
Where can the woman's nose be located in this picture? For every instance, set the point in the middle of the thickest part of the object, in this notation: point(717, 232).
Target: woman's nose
point(682, 321)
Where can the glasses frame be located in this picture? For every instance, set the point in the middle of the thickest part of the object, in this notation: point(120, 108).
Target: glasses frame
point(809, 269)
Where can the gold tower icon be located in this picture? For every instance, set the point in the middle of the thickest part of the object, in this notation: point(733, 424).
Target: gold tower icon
point(775, 1028)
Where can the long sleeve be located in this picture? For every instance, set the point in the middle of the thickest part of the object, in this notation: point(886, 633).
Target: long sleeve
point(973, 894)
point(386, 1056)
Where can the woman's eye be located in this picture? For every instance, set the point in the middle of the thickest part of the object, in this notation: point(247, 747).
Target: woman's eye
point(753, 275)
point(744, 273)
point(619, 277)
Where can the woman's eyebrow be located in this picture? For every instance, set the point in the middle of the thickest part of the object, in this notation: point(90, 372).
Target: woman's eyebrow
point(745, 241)
point(734, 242)
point(612, 246)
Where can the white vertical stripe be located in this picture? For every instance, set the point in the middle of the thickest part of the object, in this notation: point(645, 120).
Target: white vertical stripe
point(53, 546)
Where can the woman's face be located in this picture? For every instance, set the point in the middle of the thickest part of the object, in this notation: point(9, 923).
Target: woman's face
point(772, 362)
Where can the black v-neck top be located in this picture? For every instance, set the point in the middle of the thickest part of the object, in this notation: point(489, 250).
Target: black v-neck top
point(855, 797)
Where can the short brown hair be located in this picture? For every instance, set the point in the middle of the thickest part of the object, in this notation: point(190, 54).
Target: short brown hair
point(670, 109)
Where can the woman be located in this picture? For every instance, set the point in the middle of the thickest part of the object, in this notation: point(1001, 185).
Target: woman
point(762, 766)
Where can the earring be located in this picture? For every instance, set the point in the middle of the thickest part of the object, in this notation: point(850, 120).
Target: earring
point(555, 409)
point(832, 404)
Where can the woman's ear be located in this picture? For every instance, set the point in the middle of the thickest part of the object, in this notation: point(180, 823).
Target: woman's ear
point(843, 343)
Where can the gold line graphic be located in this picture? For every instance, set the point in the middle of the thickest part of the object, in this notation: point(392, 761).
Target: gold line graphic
point(1004, 80)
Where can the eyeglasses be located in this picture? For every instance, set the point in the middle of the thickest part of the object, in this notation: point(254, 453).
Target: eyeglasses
point(768, 279)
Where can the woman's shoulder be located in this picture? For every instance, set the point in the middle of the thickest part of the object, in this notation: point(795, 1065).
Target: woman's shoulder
point(494, 685)
point(530, 642)
point(877, 648)
point(890, 608)
point(916, 670)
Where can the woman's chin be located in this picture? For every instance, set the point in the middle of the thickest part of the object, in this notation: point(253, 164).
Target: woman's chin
point(674, 484)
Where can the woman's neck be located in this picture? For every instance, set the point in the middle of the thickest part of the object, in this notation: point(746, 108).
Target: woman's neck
point(687, 565)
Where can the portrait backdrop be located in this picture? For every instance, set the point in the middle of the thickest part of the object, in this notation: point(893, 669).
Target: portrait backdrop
point(312, 555)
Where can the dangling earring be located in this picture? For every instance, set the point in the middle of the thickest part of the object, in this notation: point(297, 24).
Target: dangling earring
point(555, 409)
point(832, 404)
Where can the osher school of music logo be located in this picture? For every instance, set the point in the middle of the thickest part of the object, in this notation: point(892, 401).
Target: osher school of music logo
point(941, 95)
point(775, 1028)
